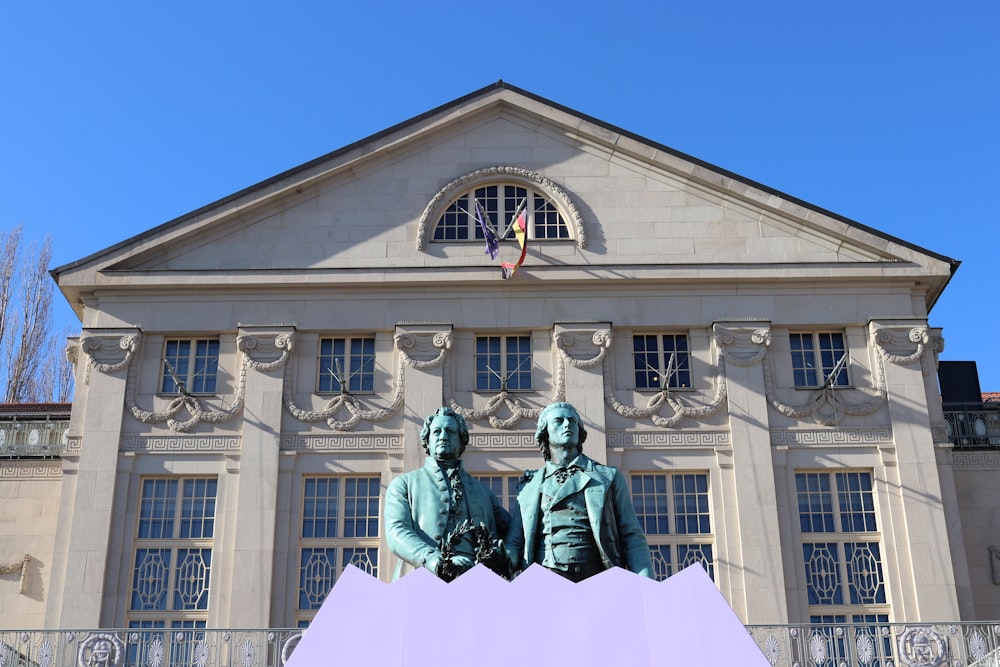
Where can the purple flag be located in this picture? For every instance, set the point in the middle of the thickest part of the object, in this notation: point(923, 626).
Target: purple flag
point(492, 244)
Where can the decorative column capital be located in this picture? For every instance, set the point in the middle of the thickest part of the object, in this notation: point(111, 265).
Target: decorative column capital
point(576, 342)
point(903, 342)
point(742, 343)
point(109, 350)
point(266, 347)
point(423, 346)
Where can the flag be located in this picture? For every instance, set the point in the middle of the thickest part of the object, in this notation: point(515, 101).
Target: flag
point(492, 243)
point(521, 232)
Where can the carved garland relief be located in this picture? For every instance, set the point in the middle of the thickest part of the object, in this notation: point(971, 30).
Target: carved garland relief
point(197, 412)
point(21, 567)
point(827, 406)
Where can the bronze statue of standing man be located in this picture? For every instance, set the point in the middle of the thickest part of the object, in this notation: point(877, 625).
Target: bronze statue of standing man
point(440, 517)
point(574, 516)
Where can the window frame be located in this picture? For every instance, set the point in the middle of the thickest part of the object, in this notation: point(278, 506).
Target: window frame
point(321, 547)
point(190, 371)
point(543, 213)
point(504, 486)
point(487, 373)
point(820, 375)
point(850, 537)
point(366, 376)
point(676, 547)
point(171, 615)
point(682, 371)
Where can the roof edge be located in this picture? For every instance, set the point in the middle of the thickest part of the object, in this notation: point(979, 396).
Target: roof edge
point(502, 85)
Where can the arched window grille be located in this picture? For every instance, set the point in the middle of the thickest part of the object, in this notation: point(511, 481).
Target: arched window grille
point(500, 204)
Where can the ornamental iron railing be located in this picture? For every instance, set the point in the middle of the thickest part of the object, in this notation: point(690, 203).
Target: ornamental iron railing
point(880, 644)
point(147, 648)
point(833, 645)
point(973, 425)
point(33, 438)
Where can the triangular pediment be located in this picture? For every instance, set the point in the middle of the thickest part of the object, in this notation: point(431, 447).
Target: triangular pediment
point(639, 209)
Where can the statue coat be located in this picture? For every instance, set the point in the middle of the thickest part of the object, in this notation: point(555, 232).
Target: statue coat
point(414, 521)
point(612, 518)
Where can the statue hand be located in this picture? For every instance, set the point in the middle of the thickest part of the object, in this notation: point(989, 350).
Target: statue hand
point(462, 563)
point(433, 563)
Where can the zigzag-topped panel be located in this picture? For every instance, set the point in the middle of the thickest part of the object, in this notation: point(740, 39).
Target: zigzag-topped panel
point(614, 618)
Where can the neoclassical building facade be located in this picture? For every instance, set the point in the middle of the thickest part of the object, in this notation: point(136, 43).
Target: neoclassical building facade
point(252, 375)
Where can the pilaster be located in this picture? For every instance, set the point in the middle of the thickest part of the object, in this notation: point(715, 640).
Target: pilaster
point(743, 346)
point(906, 350)
point(81, 554)
point(424, 348)
point(266, 349)
point(581, 349)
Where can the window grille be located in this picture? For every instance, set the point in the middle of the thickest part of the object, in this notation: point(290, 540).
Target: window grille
point(500, 205)
point(661, 361)
point(340, 527)
point(819, 359)
point(673, 511)
point(172, 561)
point(190, 366)
point(503, 363)
point(841, 546)
point(347, 364)
point(504, 487)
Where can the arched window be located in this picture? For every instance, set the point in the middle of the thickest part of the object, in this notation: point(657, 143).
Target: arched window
point(450, 216)
point(500, 204)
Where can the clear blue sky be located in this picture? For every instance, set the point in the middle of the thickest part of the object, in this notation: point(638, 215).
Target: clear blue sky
point(117, 117)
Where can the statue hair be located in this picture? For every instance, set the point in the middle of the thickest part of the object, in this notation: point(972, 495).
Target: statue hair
point(542, 432)
point(463, 430)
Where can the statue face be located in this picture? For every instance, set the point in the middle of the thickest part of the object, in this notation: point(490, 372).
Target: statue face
point(443, 440)
point(563, 427)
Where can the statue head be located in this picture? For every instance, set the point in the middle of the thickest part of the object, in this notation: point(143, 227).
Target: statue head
point(566, 419)
point(448, 424)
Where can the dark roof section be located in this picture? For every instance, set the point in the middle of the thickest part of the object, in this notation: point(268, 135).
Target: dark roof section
point(36, 410)
point(501, 84)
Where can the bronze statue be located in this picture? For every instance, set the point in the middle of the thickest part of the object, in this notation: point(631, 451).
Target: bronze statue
point(574, 516)
point(439, 516)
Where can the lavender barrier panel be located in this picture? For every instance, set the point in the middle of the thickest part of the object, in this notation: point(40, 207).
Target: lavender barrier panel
point(614, 618)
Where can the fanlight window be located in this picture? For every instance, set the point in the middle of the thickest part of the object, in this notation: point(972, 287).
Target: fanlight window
point(500, 205)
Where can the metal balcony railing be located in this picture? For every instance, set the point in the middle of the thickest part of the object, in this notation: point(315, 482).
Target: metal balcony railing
point(880, 644)
point(973, 425)
point(147, 648)
point(32, 438)
point(843, 645)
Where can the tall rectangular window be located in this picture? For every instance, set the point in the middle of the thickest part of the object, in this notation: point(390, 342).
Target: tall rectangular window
point(819, 359)
point(841, 547)
point(503, 363)
point(661, 361)
point(347, 363)
point(189, 366)
point(673, 510)
point(172, 563)
point(340, 527)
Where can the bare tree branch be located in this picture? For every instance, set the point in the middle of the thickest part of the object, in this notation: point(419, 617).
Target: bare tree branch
point(31, 363)
point(10, 247)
